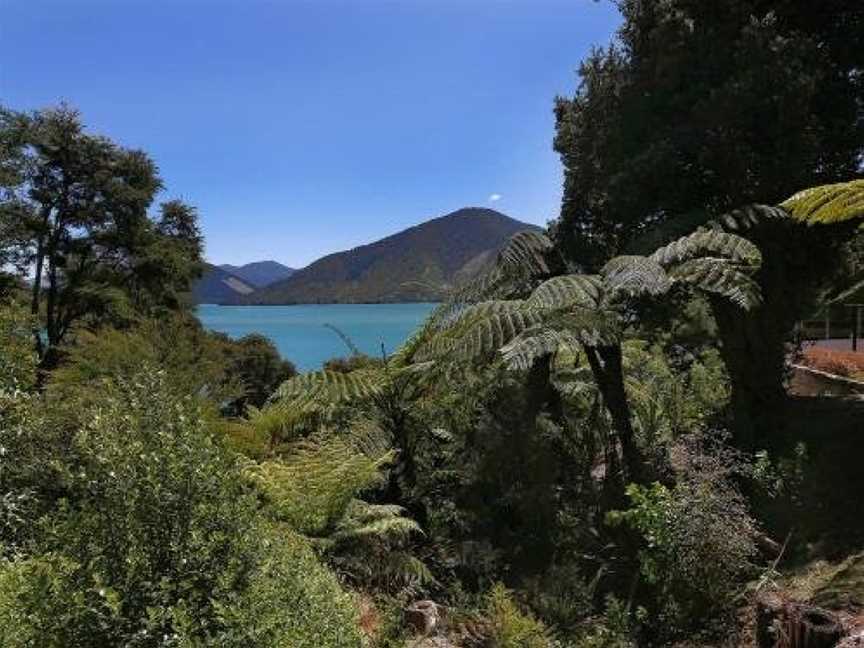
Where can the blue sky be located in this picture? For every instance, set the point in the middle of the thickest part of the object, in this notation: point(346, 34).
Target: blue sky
point(303, 128)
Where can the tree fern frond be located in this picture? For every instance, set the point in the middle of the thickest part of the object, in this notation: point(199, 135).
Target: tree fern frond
point(330, 387)
point(567, 291)
point(490, 333)
point(458, 323)
point(363, 520)
point(747, 217)
point(312, 486)
point(827, 204)
point(524, 259)
point(634, 276)
point(720, 277)
point(525, 254)
point(521, 353)
point(708, 242)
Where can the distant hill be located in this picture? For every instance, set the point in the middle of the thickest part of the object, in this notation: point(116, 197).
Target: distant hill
point(418, 264)
point(259, 273)
point(217, 286)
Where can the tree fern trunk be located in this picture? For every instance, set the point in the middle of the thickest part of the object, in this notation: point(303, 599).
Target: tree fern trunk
point(606, 365)
point(753, 349)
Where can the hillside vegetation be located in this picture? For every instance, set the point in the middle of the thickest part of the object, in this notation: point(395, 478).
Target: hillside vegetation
point(590, 443)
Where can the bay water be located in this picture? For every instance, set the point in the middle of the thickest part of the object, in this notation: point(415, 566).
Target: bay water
point(301, 335)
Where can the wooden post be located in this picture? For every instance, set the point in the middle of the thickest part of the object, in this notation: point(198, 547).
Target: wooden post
point(857, 328)
point(856, 325)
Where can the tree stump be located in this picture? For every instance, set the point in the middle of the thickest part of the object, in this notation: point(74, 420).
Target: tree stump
point(786, 624)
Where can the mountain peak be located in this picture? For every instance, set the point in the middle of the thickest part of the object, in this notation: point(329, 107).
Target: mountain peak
point(260, 273)
point(420, 263)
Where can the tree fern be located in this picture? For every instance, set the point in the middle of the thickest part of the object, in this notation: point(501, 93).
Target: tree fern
point(521, 353)
point(567, 291)
point(312, 486)
point(459, 322)
point(526, 254)
point(489, 333)
point(708, 242)
point(632, 276)
point(748, 217)
point(329, 387)
point(827, 204)
point(719, 277)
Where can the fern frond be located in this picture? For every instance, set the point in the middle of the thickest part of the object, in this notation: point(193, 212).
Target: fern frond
point(488, 334)
point(380, 521)
point(523, 260)
point(525, 255)
point(634, 276)
point(827, 204)
point(521, 353)
point(312, 486)
point(330, 387)
point(567, 291)
point(458, 323)
point(720, 277)
point(747, 217)
point(708, 242)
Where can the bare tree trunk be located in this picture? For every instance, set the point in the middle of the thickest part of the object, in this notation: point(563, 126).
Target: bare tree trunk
point(36, 293)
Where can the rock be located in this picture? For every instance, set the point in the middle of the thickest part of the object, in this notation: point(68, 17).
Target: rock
point(430, 642)
point(423, 616)
point(854, 640)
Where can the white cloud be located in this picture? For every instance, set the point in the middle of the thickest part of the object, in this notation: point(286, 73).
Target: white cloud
point(495, 197)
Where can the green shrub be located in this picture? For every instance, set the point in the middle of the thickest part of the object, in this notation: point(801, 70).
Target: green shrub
point(509, 626)
point(155, 539)
point(698, 541)
point(17, 354)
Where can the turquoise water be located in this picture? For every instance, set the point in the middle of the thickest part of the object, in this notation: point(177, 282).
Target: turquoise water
point(301, 337)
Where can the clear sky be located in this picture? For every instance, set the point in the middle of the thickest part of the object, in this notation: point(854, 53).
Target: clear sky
point(303, 128)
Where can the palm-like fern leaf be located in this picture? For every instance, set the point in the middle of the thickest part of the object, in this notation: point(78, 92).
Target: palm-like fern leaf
point(331, 387)
point(383, 521)
point(634, 276)
point(708, 242)
point(567, 291)
point(720, 277)
point(748, 217)
point(521, 353)
point(521, 261)
point(828, 204)
point(312, 486)
point(490, 333)
point(457, 323)
point(525, 255)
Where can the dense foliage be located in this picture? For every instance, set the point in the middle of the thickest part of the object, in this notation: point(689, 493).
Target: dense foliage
point(586, 445)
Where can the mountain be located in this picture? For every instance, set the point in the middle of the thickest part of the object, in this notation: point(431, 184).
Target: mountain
point(418, 264)
point(259, 273)
point(217, 286)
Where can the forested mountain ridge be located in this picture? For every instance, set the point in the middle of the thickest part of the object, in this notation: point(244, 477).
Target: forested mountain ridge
point(417, 264)
point(259, 273)
point(219, 286)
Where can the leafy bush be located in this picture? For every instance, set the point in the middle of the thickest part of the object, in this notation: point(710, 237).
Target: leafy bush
point(17, 356)
point(611, 630)
point(509, 626)
point(698, 540)
point(154, 539)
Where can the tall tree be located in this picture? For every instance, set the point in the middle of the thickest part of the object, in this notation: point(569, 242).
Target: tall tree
point(74, 212)
point(700, 106)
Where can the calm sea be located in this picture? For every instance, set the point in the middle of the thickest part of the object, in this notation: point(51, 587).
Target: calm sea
point(300, 334)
